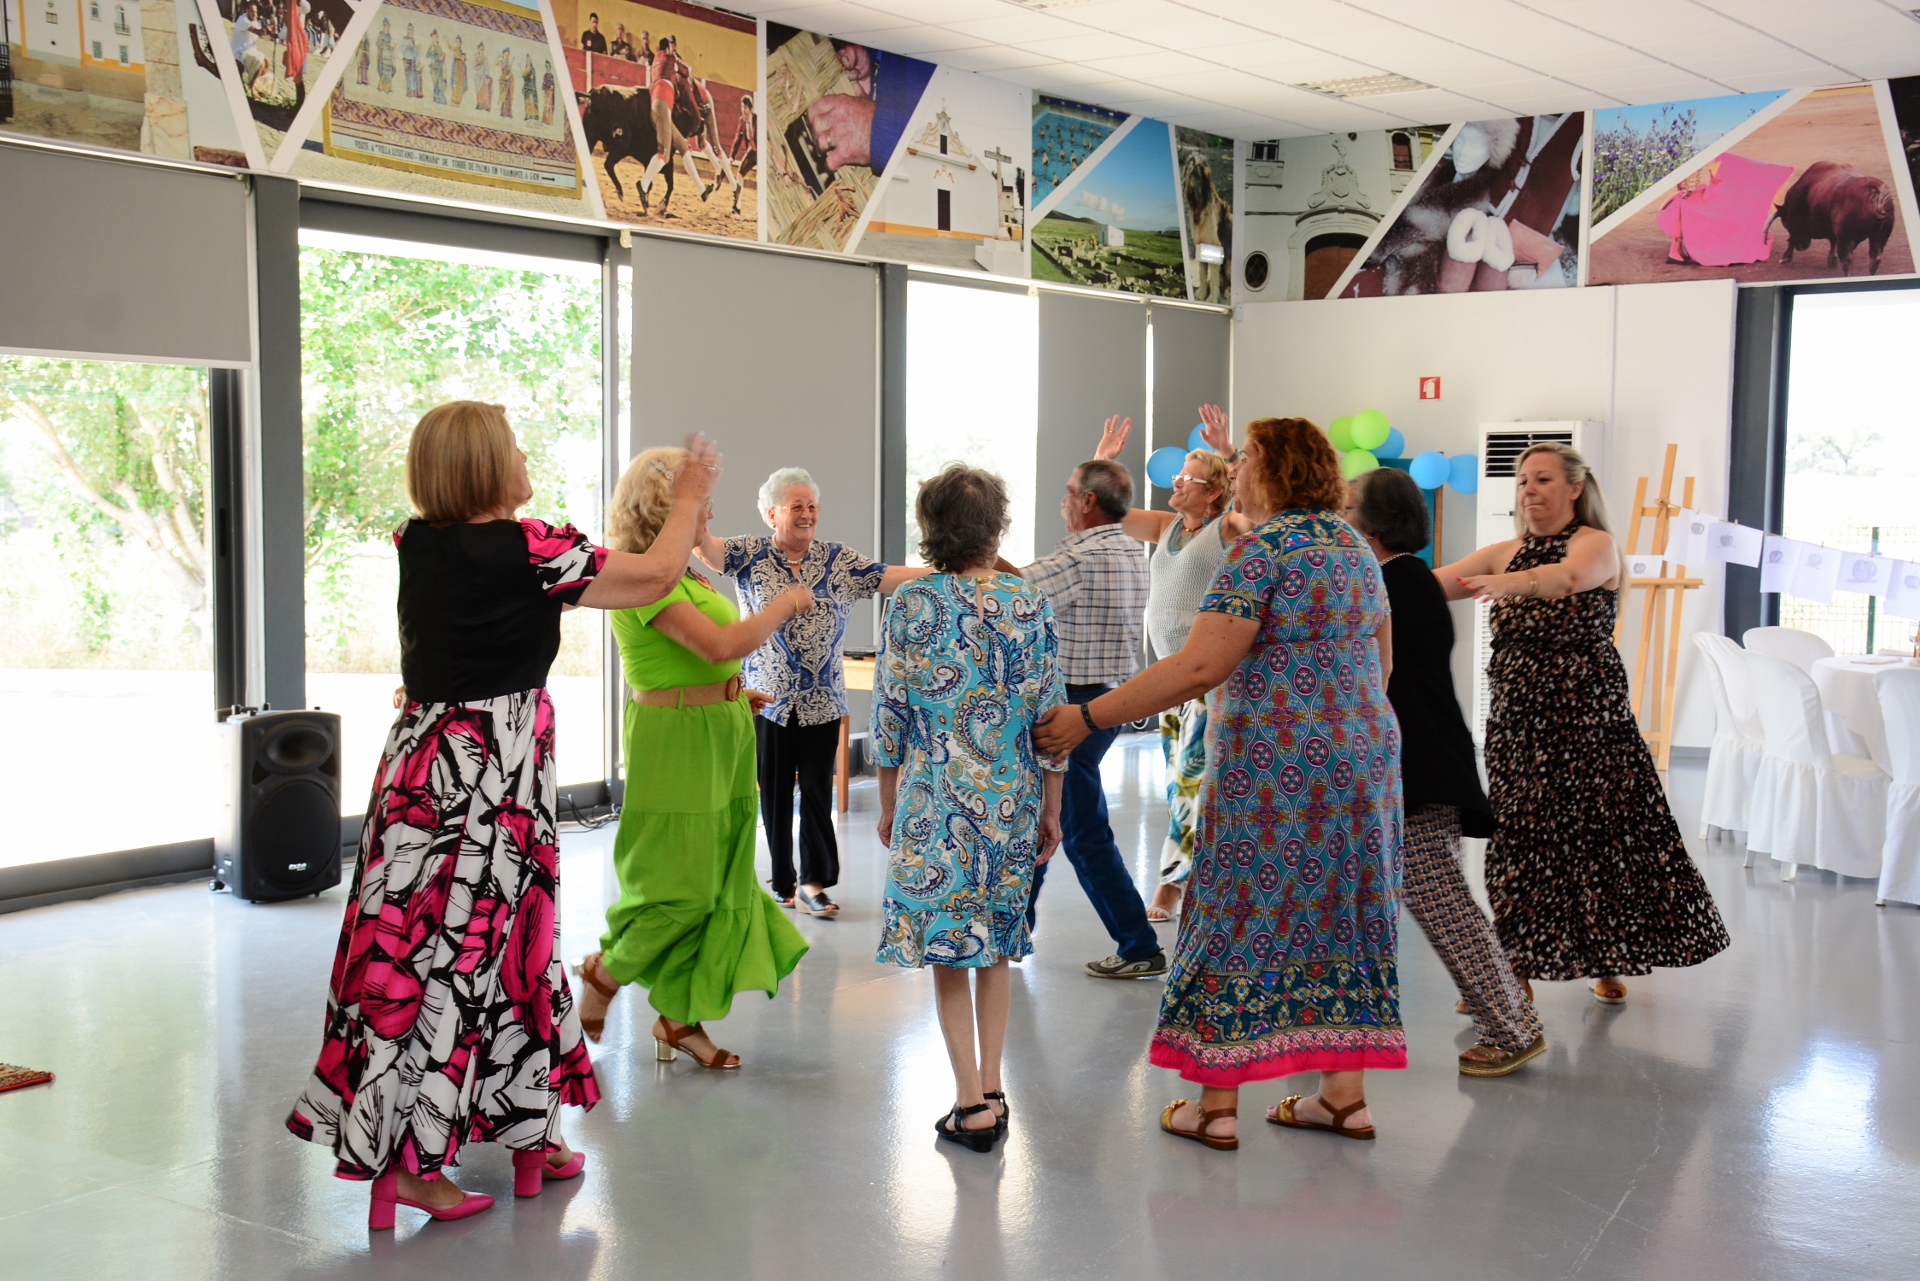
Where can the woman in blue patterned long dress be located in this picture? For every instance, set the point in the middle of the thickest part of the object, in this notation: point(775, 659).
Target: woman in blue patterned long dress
point(1286, 960)
point(968, 662)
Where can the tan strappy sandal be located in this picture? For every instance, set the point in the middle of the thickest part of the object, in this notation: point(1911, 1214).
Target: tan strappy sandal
point(1282, 1114)
point(594, 974)
point(1207, 1118)
point(666, 1043)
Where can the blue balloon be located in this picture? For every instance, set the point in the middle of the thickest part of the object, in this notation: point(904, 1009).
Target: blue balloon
point(1395, 446)
point(1429, 470)
point(1197, 438)
point(1164, 464)
point(1463, 473)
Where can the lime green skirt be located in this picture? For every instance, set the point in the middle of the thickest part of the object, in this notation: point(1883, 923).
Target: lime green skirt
point(692, 923)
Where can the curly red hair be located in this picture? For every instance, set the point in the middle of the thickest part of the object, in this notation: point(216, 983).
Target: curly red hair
point(1296, 465)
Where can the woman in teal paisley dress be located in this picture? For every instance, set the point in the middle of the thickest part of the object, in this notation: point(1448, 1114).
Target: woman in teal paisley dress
point(968, 662)
point(1286, 960)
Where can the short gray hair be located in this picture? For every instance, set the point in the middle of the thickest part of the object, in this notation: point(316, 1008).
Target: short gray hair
point(1110, 485)
point(776, 487)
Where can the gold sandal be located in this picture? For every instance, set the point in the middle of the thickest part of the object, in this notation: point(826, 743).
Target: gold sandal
point(1499, 1062)
point(666, 1043)
point(594, 974)
point(1282, 1114)
point(1207, 1118)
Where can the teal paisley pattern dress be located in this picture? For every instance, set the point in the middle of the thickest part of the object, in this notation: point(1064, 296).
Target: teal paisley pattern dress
point(1286, 956)
point(963, 674)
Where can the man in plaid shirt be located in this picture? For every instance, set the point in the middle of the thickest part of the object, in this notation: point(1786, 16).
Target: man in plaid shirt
point(1096, 580)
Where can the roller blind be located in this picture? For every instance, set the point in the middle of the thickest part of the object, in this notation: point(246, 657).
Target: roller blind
point(777, 357)
point(1191, 365)
point(1093, 362)
point(123, 260)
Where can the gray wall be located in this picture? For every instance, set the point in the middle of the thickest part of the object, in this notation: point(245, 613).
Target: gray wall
point(1092, 364)
point(776, 356)
point(117, 259)
point(1192, 365)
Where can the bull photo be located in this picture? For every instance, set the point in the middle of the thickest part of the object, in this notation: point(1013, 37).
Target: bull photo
point(1804, 189)
point(666, 94)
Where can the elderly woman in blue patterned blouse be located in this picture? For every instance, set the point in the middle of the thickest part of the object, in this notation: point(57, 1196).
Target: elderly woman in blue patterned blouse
point(798, 733)
point(968, 662)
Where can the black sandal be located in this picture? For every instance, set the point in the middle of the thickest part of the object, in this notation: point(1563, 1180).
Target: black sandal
point(949, 1127)
point(1006, 1109)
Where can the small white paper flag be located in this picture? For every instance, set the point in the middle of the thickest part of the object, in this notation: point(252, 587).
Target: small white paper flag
point(1903, 589)
point(1733, 544)
point(1644, 566)
point(1777, 562)
point(1867, 574)
point(1687, 537)
point(1816, 573)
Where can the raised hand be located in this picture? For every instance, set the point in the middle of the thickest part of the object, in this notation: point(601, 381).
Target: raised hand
point(1215, 430)
point(1113, 437)
point(693, 480)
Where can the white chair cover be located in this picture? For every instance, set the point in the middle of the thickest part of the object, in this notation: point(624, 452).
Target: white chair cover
point(1802, 649)
point(1738, 740)
point(1808, 805)
point(1899, 690)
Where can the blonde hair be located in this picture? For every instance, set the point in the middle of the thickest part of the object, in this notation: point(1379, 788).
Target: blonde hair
point(642, 499)
point(1590, 508)
point(461, 461)
point(1213, 473)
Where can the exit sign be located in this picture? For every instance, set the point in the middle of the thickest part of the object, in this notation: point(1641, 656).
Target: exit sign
point(1430, 388)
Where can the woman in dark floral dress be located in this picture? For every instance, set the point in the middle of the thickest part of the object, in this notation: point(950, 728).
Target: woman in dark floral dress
point(1288, 950)
point(449, 1020)
point(1586, 872)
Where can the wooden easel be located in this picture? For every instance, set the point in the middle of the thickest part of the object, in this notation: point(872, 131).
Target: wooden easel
point(1659, 637)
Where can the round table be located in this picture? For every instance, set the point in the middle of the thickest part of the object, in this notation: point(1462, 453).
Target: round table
point(1846, 690)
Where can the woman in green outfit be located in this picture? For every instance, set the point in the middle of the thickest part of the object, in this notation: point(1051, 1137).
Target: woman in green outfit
point(692, 923)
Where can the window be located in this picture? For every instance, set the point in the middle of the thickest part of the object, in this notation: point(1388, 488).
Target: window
point(1402, 151)
point(123, 55)
point(97, 52)
point(1264, 151)
point(1853, 461)
point(390, 329)
point(93, 10)
point(106, 608)
point(973, 395)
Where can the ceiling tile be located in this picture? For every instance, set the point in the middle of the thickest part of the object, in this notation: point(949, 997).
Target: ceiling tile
point(1136, 65)
point(1127, 15)
point(829, 19)
point(1196, 32)
point(993, 57)
point(1015, 27)
point(1305, 20)
point(921, 42)
point(935, 12)
point(1090, 44)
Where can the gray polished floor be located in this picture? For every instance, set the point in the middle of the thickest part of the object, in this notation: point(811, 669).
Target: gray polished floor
point(1757, 1117)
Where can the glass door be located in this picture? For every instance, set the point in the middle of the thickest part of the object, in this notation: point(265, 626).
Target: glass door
point(390, 329)
point(106, 607)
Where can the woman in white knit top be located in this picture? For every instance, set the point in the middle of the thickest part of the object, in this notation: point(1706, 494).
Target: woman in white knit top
point(1189, 546)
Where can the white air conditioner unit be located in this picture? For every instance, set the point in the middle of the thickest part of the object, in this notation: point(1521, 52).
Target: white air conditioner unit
point(1501, 445)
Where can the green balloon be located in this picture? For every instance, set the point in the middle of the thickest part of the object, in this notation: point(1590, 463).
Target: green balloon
point(1357, 462)
point(1340, 432)
point(1369, 430)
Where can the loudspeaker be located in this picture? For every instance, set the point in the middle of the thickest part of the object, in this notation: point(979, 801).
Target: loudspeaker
point(278, 834)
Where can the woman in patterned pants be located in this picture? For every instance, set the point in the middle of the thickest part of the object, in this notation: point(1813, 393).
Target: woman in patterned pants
point(1439, 781)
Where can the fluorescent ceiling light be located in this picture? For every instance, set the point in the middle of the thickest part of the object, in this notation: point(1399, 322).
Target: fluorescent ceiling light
point(1364, 86)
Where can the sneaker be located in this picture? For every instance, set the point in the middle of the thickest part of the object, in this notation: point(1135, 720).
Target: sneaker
point(1147, 967)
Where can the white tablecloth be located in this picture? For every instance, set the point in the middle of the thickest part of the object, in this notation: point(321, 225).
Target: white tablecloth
point(1846, 690)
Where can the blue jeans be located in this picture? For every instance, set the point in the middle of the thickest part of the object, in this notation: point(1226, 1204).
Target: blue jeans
point(1087, 841)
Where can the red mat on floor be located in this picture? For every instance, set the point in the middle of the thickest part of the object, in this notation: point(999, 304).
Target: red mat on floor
point(13, 1077)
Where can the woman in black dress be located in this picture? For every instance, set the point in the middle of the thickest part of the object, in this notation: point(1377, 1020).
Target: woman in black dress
point(1586, 872)
point(1440, 781)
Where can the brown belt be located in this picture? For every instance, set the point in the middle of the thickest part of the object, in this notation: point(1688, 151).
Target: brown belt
point(690, 695)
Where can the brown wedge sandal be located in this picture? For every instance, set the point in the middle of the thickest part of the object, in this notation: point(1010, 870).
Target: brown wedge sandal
point(1609, 991)
point(1200, 1135)
point(666, 1043)
point(594, 975)
point(1282, 1114)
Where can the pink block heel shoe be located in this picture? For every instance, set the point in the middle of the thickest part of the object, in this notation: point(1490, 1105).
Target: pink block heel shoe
point(386, 1195)
point(532, 1170)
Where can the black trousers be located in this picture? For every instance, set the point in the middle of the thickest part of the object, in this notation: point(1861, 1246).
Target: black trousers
point(806, 753)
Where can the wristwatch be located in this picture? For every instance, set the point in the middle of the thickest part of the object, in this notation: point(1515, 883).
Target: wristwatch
point(1087, 716)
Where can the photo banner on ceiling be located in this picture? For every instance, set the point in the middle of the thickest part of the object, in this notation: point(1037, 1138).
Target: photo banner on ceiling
point(1807, 189)
point(1396, 209)
point(650, 72)
point(570, 104)
point(220, 34)
point(1116, 224)
point(954, 190)
point(1203, 164)
point(279, 50)
point(1500, 208)
point(1064, 188)
point(1635, 146)
point(343, 55)
point(836, 113)
point(1899, 103)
